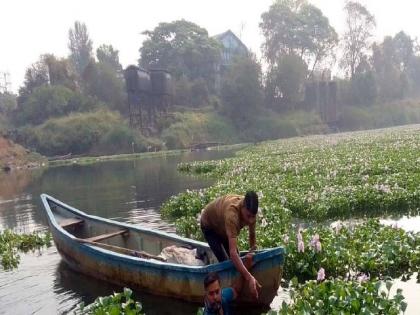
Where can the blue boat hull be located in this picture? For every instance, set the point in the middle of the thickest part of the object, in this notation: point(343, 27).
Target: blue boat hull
point(156, 277)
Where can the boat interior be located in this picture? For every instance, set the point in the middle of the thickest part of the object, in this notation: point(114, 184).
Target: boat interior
point(122, 239)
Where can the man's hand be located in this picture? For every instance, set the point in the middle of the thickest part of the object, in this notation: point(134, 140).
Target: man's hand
point(253, 286)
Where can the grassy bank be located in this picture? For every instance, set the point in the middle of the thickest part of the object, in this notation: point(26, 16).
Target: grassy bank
point(132, 156)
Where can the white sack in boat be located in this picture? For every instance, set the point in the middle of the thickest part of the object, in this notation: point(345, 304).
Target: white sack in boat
point(181, 255)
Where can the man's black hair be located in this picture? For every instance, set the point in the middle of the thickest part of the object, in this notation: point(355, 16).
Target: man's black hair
point(251, 201)
point(210, 278)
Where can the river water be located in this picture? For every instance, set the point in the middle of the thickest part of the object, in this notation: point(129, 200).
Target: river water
point(128, 191)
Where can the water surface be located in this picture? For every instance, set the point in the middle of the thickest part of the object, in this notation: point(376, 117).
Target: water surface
point(128, 191)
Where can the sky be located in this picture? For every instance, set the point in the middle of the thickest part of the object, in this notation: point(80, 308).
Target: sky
point(30, 28)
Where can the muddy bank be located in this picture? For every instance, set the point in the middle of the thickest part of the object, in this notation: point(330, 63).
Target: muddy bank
point(14, 156)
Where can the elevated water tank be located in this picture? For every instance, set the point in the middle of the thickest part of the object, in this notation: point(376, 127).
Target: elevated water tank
point(161, 82)
point(137, 80)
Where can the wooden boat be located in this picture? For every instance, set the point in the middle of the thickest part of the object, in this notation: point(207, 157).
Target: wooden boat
point(126, 255)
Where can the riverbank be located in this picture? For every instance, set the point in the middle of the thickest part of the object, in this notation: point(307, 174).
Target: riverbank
point(14, 156)
point(132, 156)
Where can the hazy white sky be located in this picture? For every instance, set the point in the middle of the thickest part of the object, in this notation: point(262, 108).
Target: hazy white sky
point(30, 28)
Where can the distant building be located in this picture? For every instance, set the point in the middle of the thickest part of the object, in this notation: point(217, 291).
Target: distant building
point(232, 47)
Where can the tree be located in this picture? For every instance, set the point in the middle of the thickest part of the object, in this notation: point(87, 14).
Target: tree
point(80, 47)
point(59, 72)
point(8, 103)
point(241, 90)
point(360, 24)
point(35, 76)
point(392, 60)
point(107, 55)
point(50, 101)
point(294, 27)
point(182, 47)
point(102, 81)
point(285, 82)
point(404, 50)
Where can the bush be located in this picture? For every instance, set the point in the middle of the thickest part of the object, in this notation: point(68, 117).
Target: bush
point(197, 127)
point(76, 133)
point(51, 101)
point(121, 139)
point(379, 116)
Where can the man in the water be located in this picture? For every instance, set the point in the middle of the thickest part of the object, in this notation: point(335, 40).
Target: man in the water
point(217, 300)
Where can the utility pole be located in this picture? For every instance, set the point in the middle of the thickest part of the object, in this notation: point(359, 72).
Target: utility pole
point(5, 85)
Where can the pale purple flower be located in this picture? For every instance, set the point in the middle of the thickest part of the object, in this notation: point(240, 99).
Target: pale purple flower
point(321, 274)
point(318, 247)
point(301, 247)
point(363, 278)
point(299, 236)
point(316, 243)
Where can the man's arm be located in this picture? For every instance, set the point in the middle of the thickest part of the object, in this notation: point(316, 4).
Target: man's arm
point(252, 238)
point(239, 281)
point(237, 262)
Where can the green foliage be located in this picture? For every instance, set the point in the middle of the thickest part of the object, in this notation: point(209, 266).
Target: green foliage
point(50, 101)
point(109, 56)
point(363, 89)
point(285, 82)
point(121, 139)
point(359, 27)
point(343, 297)
point(317, 179)
point(368, 248)
point(77, 133)
point(182, 47)
point(80, 46)
point(11, 243)
point(193, 93)
point(198, 127)
point(288, 27)
point(242, 91)
point(8, 103)
point(102, 81)
point(118, 303)
point(379, 116)
point(59, 71)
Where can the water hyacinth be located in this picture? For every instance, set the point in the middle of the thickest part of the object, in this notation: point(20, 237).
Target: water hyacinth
point(300, 243)
point(319, 178)
point(316, 243)
point(321, 274)
point(301, 247)
point(363, 277)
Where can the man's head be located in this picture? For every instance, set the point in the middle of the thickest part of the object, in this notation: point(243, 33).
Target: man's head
point(213, 298)
point(250, 208)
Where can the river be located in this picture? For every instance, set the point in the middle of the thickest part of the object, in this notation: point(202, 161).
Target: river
point(128, 191)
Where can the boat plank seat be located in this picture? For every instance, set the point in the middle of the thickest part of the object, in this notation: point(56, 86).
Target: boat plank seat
point(70, 222)
point(106, 236)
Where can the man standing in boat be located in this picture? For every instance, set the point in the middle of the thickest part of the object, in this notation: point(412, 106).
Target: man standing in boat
point(221, 221)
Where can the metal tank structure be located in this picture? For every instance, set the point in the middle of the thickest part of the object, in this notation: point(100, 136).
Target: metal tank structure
point(162, 89)
point(149, 95)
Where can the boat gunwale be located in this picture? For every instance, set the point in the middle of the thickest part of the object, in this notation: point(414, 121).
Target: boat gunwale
point(260, 256)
